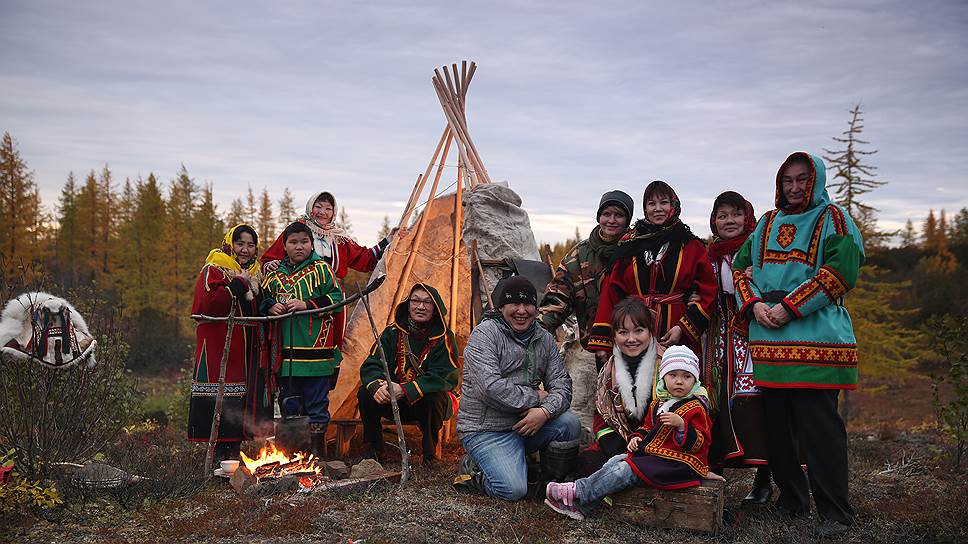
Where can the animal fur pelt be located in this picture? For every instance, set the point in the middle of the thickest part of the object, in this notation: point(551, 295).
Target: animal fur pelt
point(47, 329)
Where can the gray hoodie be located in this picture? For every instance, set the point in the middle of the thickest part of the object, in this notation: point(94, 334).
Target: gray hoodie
point(501, 377)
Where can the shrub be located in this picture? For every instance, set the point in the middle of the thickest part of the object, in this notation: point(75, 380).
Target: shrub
point(65, 415)
point(951, 342)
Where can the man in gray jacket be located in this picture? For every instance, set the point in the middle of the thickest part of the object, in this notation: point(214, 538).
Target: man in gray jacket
point(503, 414)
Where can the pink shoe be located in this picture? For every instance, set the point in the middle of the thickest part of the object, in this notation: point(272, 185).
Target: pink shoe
point(561, 499)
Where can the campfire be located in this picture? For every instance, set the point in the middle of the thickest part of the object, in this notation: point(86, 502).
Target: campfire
point(274, 463)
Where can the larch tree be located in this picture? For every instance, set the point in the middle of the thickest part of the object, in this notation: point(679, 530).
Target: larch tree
point(929, 233)
point(384, 228)
point(287, 209)
point(106, 227)
point(266, 228)
point(181, 261)
point(939, 259)
point(958, 233)
point(343, 221)
point(208, 227)
point(67, 247)
point(853, 178)
point(236, 213)
point(908, 237)
point(251, 212)
point(21, 219)
point(96, 216)
point(140, 270)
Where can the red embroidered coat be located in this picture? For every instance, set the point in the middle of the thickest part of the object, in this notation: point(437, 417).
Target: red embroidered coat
point(690, 447)
point(665, 283)
point(247, 366)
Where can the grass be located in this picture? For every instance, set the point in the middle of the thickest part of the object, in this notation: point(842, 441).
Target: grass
point(902, 488)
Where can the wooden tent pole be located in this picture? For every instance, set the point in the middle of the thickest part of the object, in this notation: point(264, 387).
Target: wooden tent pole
point(451, 116)
point(415, 245)
point(458, 122)
point(455, 265)
point(417, 191)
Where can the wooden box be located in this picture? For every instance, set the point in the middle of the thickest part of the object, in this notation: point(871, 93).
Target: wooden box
point(695, 508)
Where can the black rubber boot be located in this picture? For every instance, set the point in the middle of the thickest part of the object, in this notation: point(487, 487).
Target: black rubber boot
point(559, 460)
point(762, 488)
point(317, 441)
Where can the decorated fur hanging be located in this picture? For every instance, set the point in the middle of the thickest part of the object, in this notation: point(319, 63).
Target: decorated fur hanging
point(40, 327)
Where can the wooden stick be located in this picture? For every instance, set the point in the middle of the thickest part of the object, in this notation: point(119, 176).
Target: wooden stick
point(450, 114)
point(455, 266)
point(460, 92)
point(219, 395)
point(401, 440)
point(480, 269)
point(430, 166)
point(464, 80)
point(413, 196)
point(408, 266)
point(331, 309)
point(459, 123)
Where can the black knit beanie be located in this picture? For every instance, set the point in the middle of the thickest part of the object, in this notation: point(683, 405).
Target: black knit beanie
point(515, 289)
point(616, 198)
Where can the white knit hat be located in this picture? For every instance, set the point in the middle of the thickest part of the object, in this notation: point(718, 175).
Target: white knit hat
point(679, 358)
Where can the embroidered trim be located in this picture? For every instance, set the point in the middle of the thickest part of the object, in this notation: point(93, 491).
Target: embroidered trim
point(742, 285)
point(211, 389)
point(786, 234)
point(805, 353)
point(837, 216)
point(808, 257)
point(689, 327)
point(767, 229)
point(832, 282)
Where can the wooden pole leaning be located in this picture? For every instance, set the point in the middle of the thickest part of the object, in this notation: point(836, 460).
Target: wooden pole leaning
point(452, 104)
point(219, 395)
point(423, 179)
point(401, 440)
point(455, 265)
point(418, 236)
point(454, 124)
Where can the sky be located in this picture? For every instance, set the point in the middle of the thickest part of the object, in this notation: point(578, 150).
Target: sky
point(570, 99)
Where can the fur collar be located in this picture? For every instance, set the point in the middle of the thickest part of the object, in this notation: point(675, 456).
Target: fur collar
point(635, 404)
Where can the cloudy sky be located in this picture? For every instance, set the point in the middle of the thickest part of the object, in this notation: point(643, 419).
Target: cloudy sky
point(570, 98)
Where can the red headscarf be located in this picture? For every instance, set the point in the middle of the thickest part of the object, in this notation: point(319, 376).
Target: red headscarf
point(719, 247)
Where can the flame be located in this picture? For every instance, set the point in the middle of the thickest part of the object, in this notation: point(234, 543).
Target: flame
point(296, 462)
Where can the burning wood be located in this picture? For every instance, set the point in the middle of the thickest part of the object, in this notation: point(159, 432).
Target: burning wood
point(274, 463)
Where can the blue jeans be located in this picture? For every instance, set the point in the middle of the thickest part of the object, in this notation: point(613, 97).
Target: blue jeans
point(500, 454)
point(615, 475)
point(314, 391)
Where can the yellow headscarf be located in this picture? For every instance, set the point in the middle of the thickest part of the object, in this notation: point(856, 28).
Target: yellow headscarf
point(225, 258)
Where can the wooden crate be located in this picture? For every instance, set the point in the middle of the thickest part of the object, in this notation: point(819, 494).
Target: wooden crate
point(695, 508)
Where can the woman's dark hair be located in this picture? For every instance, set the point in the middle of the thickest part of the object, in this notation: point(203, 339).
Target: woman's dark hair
point(635, 308)
point(660, 188)
point(730, 198)
point(293, 228)
point(798, 158)
point(326, 197)
point(237, 233)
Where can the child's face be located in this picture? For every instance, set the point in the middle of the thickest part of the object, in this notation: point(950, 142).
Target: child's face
point(679, 382)
point(632, 339)
point(298, 247)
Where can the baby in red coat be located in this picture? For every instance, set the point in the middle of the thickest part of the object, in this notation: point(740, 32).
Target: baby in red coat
point(669, 451)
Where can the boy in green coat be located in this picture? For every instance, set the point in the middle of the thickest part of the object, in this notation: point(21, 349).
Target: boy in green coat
point(422, 357)
point(310, 345)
